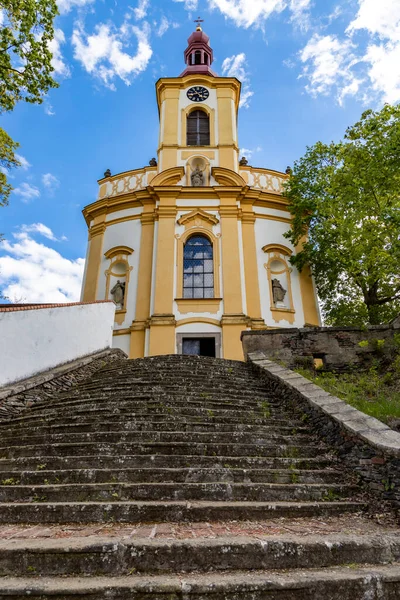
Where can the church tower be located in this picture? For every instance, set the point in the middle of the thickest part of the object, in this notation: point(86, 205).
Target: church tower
point(191, 248)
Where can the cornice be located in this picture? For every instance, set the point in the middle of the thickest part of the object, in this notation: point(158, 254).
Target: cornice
point(198, 79)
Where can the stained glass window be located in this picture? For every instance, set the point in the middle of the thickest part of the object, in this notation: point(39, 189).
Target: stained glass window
point(198, 268)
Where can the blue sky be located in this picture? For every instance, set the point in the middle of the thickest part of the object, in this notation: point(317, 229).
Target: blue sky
point(308, 68)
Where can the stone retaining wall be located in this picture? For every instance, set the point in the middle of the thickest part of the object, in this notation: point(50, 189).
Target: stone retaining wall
point(340, 348)
point(24, 394)
point(365, 445)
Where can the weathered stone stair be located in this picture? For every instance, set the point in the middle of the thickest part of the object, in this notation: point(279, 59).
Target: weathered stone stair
point(189, 440)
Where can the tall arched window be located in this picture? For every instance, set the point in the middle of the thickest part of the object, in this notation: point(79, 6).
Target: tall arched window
point(198, 128)
point(198, 268)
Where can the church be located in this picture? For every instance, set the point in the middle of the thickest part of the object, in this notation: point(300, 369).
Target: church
point(191, 248)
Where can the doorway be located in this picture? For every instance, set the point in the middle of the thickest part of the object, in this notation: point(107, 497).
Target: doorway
point(199, 344)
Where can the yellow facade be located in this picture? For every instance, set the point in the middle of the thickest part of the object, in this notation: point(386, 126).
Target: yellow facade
point(156, 212)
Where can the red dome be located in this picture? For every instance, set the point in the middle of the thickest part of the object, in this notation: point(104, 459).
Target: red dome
point(199, 36)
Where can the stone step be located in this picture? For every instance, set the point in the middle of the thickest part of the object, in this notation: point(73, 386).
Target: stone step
point(226, 400)
point(167, 511)
point(165, 448)
point(156, 406)
point(162, 461)
point(142, 425)
point(168, 381)
point(102, 436)
point(93, 417)
point(218, 491)
point(170, 475)
point(99, 556)
point(359, 582)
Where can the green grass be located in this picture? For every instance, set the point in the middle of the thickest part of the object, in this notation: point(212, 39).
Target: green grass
point(374, 392)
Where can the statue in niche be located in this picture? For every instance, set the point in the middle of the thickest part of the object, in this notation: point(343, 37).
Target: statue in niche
point(118, 293)
point(197, 177)
point(278, 291)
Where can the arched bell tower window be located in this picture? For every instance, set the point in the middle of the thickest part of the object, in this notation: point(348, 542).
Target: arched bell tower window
point(198, 128)
point(197, 57)
point(198, 268)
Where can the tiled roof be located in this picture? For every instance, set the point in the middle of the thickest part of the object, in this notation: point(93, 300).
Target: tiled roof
point(19, 307)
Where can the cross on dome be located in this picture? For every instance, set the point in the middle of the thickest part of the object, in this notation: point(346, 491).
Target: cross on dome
point(198, 21)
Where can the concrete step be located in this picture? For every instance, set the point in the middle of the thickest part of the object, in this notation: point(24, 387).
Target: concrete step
point(100, 556)
point(170, 475)
point(96, 461)
point(215, 491)
point(340, 583)
point(158, 511)
point(165, 448)
point(239, 437)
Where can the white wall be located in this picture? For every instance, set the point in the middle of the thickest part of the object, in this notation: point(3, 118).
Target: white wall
point(271, 232)
point(123, 342)
point(39, 339)
point(127, 233)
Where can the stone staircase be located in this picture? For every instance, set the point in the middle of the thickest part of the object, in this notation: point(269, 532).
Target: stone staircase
point(181, 478)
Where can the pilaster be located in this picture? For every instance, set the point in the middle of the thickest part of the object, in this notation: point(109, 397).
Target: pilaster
point(96, 239)
point(250, 265)
point(233, 320)
point(162, 322)
point(143, 293)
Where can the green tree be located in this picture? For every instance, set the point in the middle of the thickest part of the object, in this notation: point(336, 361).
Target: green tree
point(25, 66)
point(345, 201)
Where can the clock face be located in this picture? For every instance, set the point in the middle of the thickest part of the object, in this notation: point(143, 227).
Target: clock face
point(197, 94)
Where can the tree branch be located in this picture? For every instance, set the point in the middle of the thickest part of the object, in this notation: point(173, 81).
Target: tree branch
point(11, 69)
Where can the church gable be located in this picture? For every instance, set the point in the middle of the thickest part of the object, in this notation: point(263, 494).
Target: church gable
point(198, 218)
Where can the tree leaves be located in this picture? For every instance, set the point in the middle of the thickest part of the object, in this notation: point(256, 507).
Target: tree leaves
point(25, 59)
point(346, 198)
point(25, 66)
point(7, 161)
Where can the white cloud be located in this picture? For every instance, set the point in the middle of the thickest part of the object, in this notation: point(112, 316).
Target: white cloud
point(378, 17)
point(246, 13)
point(235, 66)
point(58, 64)
point(300, 13)
point(189, 4)
point(48, 109)
point(327, 62)
point(248, 152)
point(102, 53)
point(381, 21)
point(164, 25)
point(384, 71)
point(254, 13)
point(365, 62)
point(27, 192)
point(50, 181)
point(65, 6)
point(38, 228)
point(24, 163)
point(33, 272)
point(141, 11)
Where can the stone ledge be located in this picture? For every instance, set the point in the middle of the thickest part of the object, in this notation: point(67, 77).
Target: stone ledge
point(17, 396)
point(369, 429)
